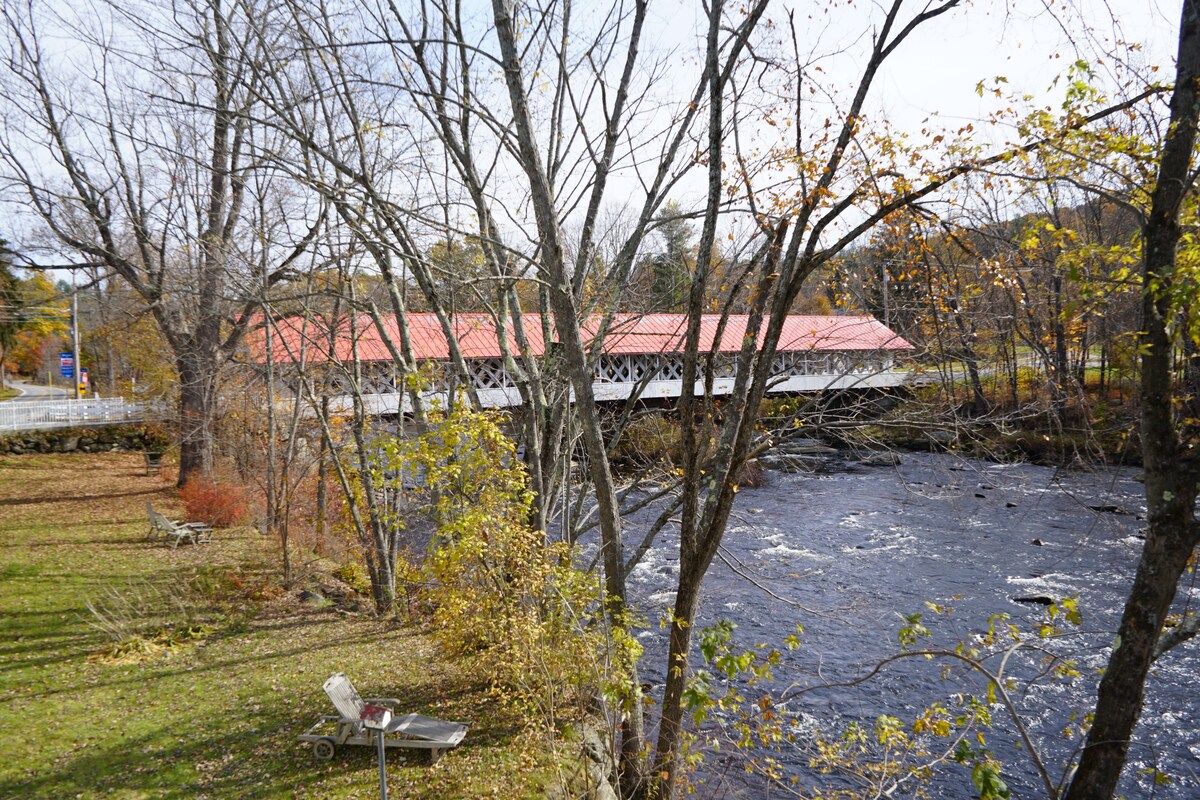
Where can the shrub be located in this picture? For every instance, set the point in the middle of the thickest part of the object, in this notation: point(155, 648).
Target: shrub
point(355, 576)
point(221, 505)
point(650, 439)
point(212, 583)
point(500, 594)
point(137, 609)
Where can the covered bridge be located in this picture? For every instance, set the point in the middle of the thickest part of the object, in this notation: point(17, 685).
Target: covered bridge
point(815, 353)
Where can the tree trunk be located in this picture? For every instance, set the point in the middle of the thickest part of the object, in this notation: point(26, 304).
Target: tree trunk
point(197, 411)
point(687, 597)
point(323, 454)
point(1060, 369)
point(1104, 382)
point(966, 337)
point(1170, 480)
point(1014, 373)
point(552, 268)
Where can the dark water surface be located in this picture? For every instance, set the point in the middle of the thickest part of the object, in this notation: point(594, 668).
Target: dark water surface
point(849, 551)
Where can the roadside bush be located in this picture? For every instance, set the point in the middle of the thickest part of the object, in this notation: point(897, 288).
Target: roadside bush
point(221, 505)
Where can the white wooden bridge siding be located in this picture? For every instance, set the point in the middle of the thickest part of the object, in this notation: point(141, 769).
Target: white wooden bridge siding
point(618, 377)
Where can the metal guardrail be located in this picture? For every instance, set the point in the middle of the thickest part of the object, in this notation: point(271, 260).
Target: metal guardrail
point(48, 414)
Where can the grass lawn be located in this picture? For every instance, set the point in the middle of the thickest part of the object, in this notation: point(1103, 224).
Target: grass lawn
point(7, 393)
point(215, 717)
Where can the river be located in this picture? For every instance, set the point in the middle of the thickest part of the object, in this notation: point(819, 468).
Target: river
point(847, 552)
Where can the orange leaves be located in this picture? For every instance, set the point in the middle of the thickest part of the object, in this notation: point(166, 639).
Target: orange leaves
point(221, 505)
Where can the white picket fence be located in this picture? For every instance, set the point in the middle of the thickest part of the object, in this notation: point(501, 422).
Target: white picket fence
point(43, 414)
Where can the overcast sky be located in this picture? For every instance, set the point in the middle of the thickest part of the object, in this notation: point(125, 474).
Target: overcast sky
point(939, 68)
point(935, 72)
point(931, 80)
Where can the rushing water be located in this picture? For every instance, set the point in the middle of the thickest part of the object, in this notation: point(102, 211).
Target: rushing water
point(846, 553)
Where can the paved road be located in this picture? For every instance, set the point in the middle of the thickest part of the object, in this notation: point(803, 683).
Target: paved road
point(32, 392)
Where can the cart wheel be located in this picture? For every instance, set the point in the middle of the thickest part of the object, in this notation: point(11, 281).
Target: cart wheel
point(323, 749)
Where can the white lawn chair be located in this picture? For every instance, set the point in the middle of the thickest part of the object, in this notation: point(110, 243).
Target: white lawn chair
point(412, 731)
point(162, 527)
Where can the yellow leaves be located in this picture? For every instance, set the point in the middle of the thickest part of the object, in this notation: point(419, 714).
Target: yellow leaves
point(982, 87)
point(933, 721)
point(1068, 608)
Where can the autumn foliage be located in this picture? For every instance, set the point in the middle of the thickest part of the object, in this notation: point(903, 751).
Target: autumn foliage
point(500, 594)
point(221, 505)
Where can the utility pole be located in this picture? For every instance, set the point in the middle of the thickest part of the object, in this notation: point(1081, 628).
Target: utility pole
point(887, 322)
point(75, 337)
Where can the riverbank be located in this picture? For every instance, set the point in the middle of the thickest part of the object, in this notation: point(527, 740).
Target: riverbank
point(1034, 444)
point(224, 671)
point(1102, 428)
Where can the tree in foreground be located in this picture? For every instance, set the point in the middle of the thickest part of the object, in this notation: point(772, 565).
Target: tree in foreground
point(841, 179)
point(1168, 431)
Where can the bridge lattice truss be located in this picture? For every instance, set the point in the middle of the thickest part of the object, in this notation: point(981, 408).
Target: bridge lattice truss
point(619, 376)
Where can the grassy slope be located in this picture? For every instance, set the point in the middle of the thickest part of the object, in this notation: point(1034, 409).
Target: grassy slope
point(218, 719)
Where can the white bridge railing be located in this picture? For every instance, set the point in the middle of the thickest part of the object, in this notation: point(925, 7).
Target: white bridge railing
point(651, 377)
point(44, 414)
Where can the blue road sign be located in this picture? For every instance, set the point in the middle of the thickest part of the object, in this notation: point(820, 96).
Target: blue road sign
point(66, 365)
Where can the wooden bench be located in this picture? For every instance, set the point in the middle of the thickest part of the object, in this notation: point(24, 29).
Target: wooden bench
point(168, 530)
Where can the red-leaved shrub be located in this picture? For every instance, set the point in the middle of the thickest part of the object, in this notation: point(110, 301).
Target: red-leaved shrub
point(221, 505)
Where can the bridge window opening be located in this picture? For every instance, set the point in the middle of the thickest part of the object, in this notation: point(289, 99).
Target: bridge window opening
point(623, 368)
point(669, 369)
point(489, 373)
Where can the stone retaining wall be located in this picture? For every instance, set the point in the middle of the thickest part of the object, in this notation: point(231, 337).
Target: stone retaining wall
point(114, 438)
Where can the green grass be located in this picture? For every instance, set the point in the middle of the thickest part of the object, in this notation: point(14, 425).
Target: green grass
point(7, 393)
point(216, 718)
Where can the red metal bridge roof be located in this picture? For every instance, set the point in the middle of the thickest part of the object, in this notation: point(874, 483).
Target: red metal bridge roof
point(629, 334)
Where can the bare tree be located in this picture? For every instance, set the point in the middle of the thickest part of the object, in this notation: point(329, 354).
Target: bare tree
point(135, 157)
point(566, 121)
